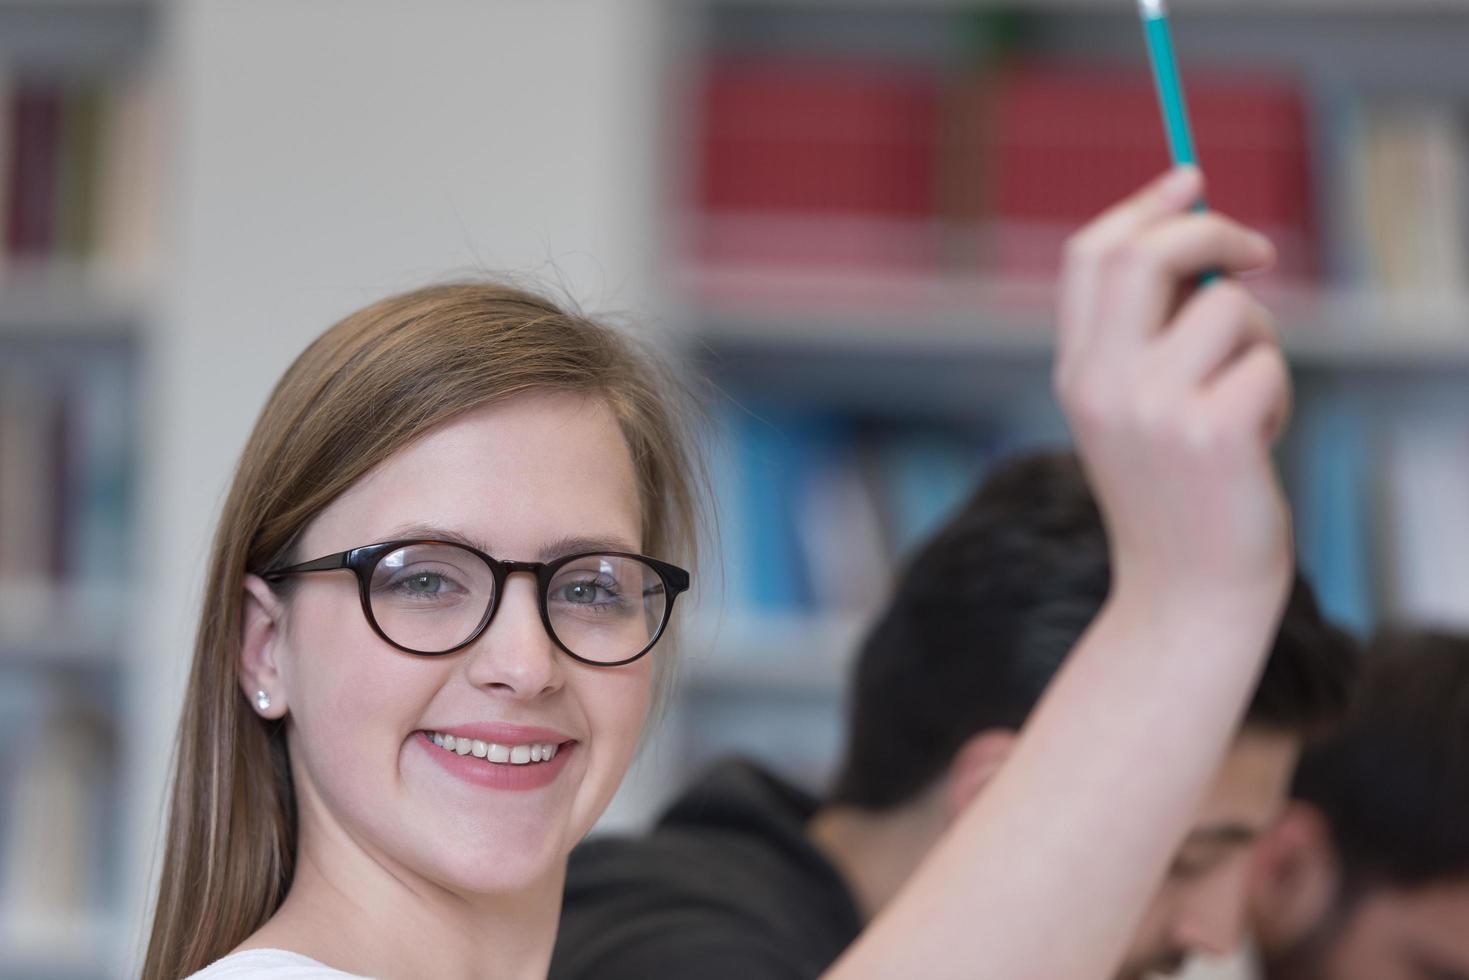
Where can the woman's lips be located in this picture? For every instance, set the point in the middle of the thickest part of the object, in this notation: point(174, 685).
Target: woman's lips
point(528, 758)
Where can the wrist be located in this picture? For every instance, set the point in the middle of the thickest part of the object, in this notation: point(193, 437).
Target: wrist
point(1185, 604)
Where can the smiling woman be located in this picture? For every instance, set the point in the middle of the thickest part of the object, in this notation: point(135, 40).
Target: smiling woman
point(456, 533)
point(472, 478)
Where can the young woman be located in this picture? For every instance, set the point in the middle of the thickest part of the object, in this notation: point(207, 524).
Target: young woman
point(454, 541)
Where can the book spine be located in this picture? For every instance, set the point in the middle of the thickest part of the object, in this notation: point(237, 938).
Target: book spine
point(35, 151)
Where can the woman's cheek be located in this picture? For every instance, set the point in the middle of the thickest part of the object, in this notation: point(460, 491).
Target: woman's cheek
point(618, 700)
point(355, 696)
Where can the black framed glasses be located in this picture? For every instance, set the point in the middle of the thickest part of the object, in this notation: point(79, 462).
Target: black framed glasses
point(435, 597)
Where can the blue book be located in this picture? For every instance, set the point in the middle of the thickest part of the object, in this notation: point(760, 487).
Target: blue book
point(1333, 515)
point(775, 446)
point(925, 476)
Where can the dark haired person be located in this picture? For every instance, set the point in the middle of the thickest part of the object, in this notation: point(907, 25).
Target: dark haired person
point(1367, 875)
point(746, 877)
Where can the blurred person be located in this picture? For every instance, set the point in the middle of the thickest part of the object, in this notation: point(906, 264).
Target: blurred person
point(1366, 877)
point(426, 650)
point(746, 876)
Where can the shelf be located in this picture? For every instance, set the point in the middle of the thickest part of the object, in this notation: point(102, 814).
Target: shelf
point(957, 317)
point(67, 301)
point(75, 35)
point(71, 626)
point(38, 948)
point(1394, 8)
point(765, 654)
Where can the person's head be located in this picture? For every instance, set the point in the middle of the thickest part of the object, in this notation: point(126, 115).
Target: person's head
point(489, 422)
point(980, 622)
point(1367, 875)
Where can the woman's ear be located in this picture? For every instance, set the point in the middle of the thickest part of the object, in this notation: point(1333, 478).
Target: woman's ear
point(261, 623)
point(974, 765)
point(1295, 876)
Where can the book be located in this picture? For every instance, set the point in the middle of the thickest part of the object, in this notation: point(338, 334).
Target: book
point(52, 865)
point(775, 576)
point(844, 548)
point(27, 470)
point(1409, 172)
point(827, 161)
point(35, 149)
point(79, 164)
point(1332, 505)
point(924, 474)
point(7, 154)
point(128, 205)
point(1425, 466)
point(98, 489)
point(1066, 141)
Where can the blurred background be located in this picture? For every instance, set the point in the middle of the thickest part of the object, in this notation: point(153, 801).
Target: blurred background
point(846, 213)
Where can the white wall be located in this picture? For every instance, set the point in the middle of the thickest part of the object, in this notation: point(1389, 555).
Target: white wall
point(326, 154)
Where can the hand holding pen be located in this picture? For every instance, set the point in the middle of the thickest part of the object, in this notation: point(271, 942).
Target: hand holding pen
point(1171, 99)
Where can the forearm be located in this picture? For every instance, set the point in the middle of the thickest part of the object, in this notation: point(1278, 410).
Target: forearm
point(1047, 873)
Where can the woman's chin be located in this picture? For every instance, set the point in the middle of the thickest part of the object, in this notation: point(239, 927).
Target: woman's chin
point(504, 864)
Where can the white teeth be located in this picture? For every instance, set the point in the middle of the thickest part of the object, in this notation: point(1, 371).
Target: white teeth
point(516, 755)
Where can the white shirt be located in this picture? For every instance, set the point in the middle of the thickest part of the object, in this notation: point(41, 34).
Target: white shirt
point(1240, 966)
point(270, 964)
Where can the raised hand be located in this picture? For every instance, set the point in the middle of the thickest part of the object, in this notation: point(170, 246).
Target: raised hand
point(1175, 394)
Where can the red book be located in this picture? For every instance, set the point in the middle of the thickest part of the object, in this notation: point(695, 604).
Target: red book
point(34, 169)
point(847, 149)
point(1066, 142)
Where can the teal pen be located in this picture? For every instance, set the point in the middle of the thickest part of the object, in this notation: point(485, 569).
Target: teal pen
point(1170, 91)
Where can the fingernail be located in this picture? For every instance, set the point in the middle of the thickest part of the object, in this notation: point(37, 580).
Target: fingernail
point(1182, 183)
point(1264, 247)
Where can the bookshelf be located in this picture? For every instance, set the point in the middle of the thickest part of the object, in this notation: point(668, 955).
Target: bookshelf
point(978, 319)
point(70, 304)
point(1311, 7)
point(78, 161)
point(866, 308)
point(243, 298)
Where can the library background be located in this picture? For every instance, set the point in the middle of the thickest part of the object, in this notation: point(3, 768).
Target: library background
point(845, 213)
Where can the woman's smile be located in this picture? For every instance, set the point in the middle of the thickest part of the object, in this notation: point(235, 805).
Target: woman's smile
point(503, 757)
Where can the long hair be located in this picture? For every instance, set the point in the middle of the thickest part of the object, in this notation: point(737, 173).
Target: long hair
point(371, 384)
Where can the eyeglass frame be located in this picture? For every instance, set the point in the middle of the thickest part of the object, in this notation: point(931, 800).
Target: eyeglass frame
point(363, 561)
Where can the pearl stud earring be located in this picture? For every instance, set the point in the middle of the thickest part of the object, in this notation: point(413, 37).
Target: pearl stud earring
point(262, 700)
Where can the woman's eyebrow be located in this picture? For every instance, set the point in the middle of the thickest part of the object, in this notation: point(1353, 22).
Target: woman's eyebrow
point(1227, 833)
point(433, 533)
point(574, 545)
point(581, 545)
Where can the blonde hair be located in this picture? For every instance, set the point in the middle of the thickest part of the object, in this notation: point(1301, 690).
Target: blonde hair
point(368, 386)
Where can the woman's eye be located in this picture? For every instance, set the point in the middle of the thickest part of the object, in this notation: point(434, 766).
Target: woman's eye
point(586, 592)
point(1187, 870)
point(424, 584)
point(581, 593)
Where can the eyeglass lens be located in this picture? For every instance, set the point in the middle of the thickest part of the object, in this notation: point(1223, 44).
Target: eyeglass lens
point(433, 597)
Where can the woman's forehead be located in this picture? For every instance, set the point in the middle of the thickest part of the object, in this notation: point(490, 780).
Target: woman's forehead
point(515, 475)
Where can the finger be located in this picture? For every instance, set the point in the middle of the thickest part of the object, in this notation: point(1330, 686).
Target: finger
point(1088, 250)
point(1214, 326)
point(1171, 254)
point(1171, 194)
point(1255, 389)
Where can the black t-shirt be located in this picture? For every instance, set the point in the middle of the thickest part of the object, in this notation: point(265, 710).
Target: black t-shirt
point(727, 885)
